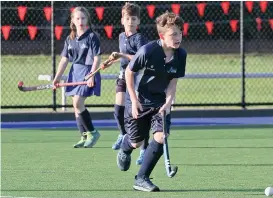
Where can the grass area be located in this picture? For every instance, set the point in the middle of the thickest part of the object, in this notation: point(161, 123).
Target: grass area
point(27, 68)
point(227, 162)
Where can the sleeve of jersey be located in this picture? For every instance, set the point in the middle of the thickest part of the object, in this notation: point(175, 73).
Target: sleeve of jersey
point(138, 61)
point(65, 49)
point(182, 65)
point(95, 46)
point(141, 40)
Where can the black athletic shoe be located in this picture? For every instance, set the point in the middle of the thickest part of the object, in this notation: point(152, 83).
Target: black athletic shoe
point(145, 184)
point(123, 160)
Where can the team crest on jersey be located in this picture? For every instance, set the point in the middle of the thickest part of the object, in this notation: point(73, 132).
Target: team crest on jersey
point(83, 46)
point(172, 70)
point(151, 68)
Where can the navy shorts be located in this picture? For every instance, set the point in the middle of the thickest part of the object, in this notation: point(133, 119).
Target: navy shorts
point(148, 119)
point(120, 85)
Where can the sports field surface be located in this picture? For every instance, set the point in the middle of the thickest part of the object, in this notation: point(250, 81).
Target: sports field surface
point(213, 162)
point(27, 69)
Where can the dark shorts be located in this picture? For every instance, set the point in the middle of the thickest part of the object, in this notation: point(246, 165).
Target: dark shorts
point(120, 85)
point(148, 119)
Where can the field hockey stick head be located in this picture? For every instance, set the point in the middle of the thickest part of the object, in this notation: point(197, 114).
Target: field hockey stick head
point(173, 171)
point(20, 85)
point(33, 88)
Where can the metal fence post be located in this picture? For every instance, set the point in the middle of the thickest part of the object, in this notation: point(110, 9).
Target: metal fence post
point(53, 55)
point(242, 53)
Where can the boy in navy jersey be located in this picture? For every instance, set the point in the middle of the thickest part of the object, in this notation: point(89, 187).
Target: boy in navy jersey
point(151, 79)
point(129, 43)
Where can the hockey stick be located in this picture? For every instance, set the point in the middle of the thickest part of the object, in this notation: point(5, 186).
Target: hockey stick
point(47, 86)
point(51, 86)
point(102, 67)
point(170, 170)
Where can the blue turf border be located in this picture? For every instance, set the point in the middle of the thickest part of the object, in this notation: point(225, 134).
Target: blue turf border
point(112, 124)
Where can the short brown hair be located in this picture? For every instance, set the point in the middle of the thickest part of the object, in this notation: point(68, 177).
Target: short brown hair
point(167, 20)
point(131, 9)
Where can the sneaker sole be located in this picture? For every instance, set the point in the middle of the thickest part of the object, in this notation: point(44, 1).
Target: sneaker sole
point(139, 188)
point(75, 146)
point(78, 146)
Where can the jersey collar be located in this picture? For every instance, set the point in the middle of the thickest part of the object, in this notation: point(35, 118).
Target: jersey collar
point(88, 31)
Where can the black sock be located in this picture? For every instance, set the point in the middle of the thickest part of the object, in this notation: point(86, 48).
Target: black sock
point(86, 120)
point(145, 143)
point(80, 125)
point(153, 153)
point(119, 117)
point(126, 145)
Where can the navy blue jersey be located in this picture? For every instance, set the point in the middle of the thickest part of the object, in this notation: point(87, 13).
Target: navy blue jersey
point(153, 75)
point(81, 52)
point(83, 49)
point(129, 45)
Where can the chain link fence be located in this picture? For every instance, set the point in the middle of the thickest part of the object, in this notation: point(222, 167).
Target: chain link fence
point(221, 69)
